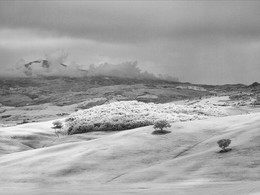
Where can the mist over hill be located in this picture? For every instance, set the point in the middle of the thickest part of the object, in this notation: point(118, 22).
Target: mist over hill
point(57, 64)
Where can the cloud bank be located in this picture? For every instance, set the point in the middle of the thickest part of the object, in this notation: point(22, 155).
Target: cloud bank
point(56, 64)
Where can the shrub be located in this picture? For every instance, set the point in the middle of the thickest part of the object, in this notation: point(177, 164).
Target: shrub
point(57, 124)
point(161, 125)
point(80, 128)
point(224, 143)
point(61, 132)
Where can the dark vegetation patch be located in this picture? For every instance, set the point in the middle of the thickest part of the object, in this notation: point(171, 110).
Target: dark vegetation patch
point(159, 132)
point(85, 128)
point(6, 116)
point(225, 151)
point(66, 91)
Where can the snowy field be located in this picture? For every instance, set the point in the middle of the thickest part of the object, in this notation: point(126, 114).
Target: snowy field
point(34, 160)
point(186, 161)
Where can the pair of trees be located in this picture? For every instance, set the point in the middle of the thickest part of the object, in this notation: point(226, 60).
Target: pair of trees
point(160, 126)
point(163, 124)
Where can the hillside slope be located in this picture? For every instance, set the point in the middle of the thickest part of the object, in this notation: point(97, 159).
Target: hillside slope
point(185, 161)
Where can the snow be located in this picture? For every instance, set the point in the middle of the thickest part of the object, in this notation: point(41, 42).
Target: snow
point(185, 161)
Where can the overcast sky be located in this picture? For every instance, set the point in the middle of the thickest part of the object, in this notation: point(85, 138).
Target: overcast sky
point(211, 42)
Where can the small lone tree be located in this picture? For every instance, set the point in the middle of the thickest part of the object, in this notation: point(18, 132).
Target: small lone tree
point(57, 124)
point(161, 125)
point(224, 143)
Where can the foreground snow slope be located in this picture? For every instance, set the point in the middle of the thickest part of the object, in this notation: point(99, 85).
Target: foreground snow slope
point(185, 161)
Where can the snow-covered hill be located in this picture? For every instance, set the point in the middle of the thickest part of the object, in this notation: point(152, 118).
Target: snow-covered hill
point(185, 161)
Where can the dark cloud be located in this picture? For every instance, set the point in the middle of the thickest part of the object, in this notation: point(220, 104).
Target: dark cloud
point(135, 21)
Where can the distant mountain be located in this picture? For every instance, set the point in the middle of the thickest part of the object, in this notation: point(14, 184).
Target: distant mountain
point(254, 85)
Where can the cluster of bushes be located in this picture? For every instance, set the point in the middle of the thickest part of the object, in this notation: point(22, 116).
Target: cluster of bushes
point(132, 114)
point(106, 126)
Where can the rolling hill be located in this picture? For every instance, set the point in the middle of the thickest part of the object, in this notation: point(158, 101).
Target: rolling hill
point(185, 161)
